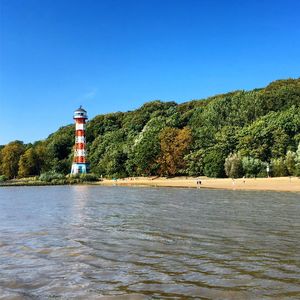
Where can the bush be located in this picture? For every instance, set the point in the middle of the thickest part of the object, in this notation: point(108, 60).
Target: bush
point(52, 176)
point(88, 177)
point(77, 178)
point(3, 178)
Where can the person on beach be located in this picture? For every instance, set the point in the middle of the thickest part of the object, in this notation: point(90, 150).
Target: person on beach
point(198, 183)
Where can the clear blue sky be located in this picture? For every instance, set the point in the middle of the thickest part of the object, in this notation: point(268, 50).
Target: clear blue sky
point(114, 55)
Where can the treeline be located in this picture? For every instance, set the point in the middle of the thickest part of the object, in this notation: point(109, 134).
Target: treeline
point(243, 133)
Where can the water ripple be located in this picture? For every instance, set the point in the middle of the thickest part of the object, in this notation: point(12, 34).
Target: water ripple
point(147, 243)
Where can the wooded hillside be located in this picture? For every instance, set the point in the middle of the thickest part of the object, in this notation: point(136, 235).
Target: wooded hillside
point(235, 134)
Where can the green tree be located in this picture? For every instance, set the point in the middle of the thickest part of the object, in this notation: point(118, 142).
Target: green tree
point(145, 150)
point(297, 160)
point(214, 161)
point(290, 161)
point(278, 167)
point(233, 166)
point(253, 167)
point(194, 162)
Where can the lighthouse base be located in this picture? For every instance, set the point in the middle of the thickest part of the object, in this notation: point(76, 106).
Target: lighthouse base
point(80, 168)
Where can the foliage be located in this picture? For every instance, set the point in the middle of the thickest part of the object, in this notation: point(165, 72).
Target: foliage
point(28, 163)
point(233, 166)
point(51, 176)
point(165, 138)
point(297, 161)
point(214, 163)
point(88, 177)
point(3, 178)
point(174, 144)
point(253, 167)
point(142, 156)
point(194, 162)
point(11, 154)
point(278, 167)
point(290, 161)
point(81, 178)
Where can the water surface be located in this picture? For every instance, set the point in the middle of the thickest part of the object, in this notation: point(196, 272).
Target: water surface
point(89, 242)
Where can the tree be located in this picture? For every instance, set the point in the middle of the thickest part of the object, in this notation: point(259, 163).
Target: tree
point(260, 125)
point(194, 162)
point(174, 144)
point(253, 167)
point(59, 150)
point(233, 166)
point(297, 160)
point(28, 164)
point(143, 154)
point(290, 161)
point(214, 161)
point(279, 167)
point(11, 154)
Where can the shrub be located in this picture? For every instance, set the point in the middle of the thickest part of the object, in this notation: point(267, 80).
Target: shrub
point(88, 177)
point(51, 176)
point(3, 178)
point(77, 178)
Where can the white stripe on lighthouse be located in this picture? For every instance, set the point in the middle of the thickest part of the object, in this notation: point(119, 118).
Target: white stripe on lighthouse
point(79, 139)
point(80, 152)
point(80, 126)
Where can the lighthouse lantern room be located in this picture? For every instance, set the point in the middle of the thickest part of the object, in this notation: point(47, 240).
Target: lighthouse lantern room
point(80, 164)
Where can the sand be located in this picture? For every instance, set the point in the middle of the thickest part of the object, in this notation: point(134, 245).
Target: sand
point(285, 184)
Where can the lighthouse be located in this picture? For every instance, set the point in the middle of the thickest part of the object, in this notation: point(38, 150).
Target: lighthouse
point(80, 164)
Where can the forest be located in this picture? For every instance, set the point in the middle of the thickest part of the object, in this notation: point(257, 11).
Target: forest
point(241, 133)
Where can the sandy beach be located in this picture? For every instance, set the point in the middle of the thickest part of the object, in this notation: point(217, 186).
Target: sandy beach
point(284, 184)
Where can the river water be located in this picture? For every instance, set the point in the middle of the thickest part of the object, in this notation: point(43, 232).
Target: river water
point(93, 242)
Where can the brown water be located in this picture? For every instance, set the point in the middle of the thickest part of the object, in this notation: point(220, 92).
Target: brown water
point(87, 242)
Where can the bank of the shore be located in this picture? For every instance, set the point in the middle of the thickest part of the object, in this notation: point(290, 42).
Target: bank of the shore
point(284, 184)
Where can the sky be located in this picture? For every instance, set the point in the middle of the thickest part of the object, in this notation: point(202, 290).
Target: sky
point(115, 55)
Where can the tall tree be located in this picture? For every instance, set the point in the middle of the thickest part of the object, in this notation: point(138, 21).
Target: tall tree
point(174, 144)
point(28, 163)
point(11, 154)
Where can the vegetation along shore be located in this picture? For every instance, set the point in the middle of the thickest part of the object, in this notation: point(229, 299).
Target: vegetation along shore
point(251, 134)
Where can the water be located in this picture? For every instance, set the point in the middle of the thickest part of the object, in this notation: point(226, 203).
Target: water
point(90, 242)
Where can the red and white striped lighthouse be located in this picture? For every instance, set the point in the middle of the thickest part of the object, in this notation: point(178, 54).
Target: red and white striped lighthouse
point(80, 164)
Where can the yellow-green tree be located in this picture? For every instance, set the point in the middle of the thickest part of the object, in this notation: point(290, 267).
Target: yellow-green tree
point(28, 163)
point(11, 154)
point(174, 144)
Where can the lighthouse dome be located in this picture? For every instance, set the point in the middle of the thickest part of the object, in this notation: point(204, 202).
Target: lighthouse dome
point(80, 113)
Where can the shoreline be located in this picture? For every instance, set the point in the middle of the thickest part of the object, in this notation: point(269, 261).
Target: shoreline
point(279, 184)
